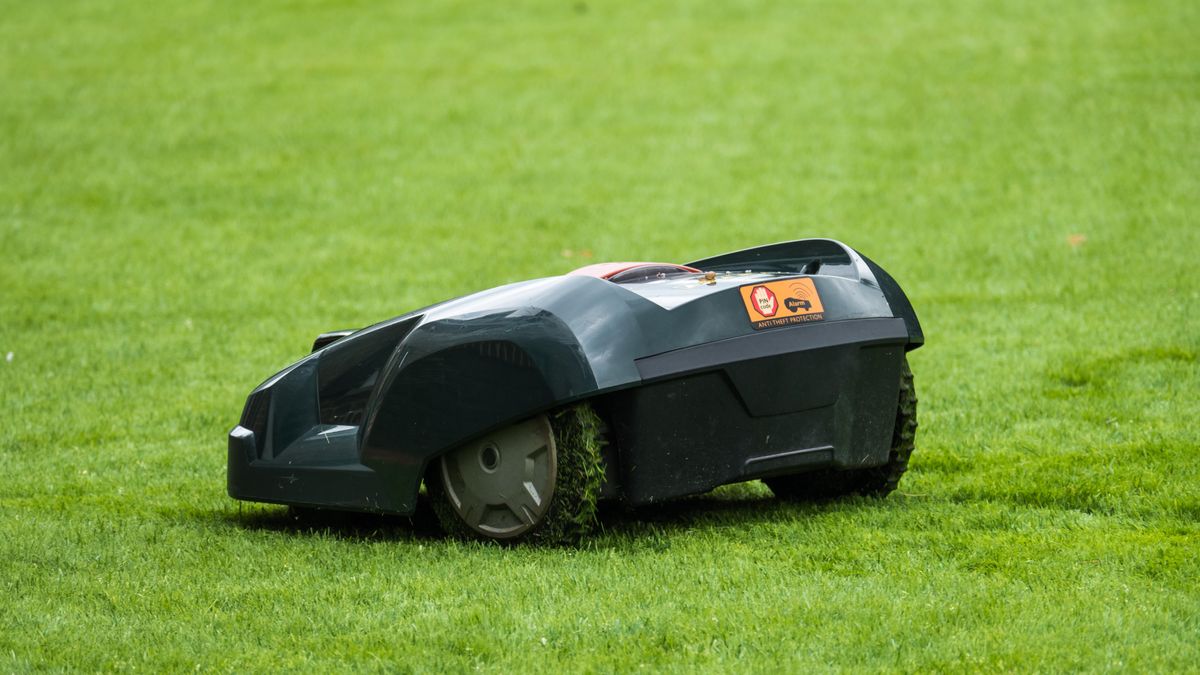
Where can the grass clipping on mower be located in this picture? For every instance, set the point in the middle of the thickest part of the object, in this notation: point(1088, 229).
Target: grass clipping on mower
point(577, 432)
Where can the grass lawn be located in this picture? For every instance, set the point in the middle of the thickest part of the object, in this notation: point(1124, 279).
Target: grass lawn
point(189, 192)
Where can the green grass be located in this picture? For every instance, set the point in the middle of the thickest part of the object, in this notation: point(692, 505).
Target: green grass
point(190, 192)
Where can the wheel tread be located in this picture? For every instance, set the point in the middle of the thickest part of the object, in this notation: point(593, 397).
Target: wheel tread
point(572, 513)
point(877, 481)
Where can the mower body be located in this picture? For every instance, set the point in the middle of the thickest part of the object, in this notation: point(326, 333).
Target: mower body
point(773, 360)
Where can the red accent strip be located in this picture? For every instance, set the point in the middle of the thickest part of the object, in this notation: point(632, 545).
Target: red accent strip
point(612, 269)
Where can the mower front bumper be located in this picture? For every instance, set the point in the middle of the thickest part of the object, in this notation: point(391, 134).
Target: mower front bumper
point(296, 480)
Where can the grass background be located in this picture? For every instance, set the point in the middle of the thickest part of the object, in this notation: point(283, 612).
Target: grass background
point(189, 192)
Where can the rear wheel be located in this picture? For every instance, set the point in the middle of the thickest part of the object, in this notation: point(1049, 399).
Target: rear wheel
point(534, 480)
point(876, 481)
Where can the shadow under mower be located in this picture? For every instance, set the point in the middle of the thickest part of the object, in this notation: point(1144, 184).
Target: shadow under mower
point(522, 406)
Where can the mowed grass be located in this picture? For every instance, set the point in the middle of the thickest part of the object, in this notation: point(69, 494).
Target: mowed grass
point(189, 192)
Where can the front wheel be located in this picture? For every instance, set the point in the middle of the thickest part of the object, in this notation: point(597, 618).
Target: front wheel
point(876, 481)
point(538, 479)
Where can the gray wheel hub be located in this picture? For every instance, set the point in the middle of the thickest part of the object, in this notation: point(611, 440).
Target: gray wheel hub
point(501, 484)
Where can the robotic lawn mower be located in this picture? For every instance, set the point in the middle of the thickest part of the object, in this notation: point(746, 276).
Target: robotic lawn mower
point(522, 406)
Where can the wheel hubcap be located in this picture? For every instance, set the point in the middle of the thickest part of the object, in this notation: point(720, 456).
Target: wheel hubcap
point(501, 485)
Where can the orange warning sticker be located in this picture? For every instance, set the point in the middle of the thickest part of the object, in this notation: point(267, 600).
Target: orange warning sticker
point(782, 303)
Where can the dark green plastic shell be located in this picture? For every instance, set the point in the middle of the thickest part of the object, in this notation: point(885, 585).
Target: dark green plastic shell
point(354, 424)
